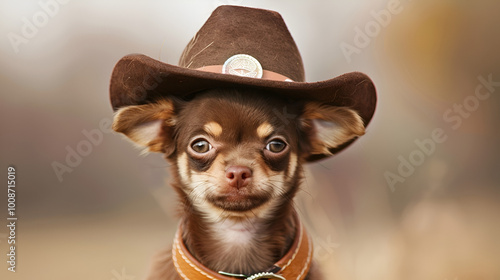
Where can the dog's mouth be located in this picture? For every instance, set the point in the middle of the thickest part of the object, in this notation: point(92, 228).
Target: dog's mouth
point(238, 201)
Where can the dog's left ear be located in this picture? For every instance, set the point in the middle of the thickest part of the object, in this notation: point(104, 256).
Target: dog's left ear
point(327, 127)
point(149, 126)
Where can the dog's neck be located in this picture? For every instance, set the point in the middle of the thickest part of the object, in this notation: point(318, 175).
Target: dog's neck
point(247, 245)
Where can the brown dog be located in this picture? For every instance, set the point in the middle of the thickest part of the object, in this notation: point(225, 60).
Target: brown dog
point(237, 122)
point(237, 166)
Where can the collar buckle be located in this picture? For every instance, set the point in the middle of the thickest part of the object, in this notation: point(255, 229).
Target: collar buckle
point(261, 275)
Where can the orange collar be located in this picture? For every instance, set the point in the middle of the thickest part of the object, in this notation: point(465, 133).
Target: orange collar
point(293, 266)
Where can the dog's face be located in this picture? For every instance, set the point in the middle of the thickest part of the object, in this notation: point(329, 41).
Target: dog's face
point(237, 153)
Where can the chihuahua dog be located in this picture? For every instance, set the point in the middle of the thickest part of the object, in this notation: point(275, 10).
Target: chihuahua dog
point(236, 157)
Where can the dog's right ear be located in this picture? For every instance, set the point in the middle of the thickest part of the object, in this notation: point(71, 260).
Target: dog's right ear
point(149, 126)
point(327, 127)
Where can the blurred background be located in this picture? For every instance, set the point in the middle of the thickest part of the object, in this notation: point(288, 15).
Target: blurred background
point(417, 197)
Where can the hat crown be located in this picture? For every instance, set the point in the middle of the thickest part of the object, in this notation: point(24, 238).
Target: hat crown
point(232, 30)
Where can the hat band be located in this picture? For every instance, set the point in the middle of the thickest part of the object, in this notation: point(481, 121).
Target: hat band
point(266, 74)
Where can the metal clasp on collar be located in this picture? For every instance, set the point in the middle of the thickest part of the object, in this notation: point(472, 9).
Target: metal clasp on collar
point(261, 275)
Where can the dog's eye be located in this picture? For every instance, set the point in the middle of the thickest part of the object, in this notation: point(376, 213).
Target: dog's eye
point(276, 146)
point(201, 146)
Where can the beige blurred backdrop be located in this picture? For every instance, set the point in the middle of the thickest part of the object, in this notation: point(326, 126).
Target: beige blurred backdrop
point(417, 197)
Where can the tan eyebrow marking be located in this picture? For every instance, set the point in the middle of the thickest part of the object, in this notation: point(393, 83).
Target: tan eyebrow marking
point(264, 130)
point(213, 128)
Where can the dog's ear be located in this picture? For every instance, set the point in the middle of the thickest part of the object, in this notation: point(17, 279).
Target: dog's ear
point(149, 126)
point(326, 127)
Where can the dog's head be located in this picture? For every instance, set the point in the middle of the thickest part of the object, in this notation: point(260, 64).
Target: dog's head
point(237, 153)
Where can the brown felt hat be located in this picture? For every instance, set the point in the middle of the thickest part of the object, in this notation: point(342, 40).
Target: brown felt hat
point(238, 47)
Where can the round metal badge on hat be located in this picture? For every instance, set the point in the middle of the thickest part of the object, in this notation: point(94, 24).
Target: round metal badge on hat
point(242, 65)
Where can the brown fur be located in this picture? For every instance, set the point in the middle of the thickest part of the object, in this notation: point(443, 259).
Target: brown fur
point(258, 210)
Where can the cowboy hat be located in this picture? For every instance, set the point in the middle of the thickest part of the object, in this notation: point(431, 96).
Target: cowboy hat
point(239, 47)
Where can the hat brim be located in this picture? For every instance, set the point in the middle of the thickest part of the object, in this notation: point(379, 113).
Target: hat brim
point(138, 79)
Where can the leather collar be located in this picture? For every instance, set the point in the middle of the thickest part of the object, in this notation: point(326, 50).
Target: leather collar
point(295, 264)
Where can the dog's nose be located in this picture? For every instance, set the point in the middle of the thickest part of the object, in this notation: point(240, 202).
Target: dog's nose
point(238, 176)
